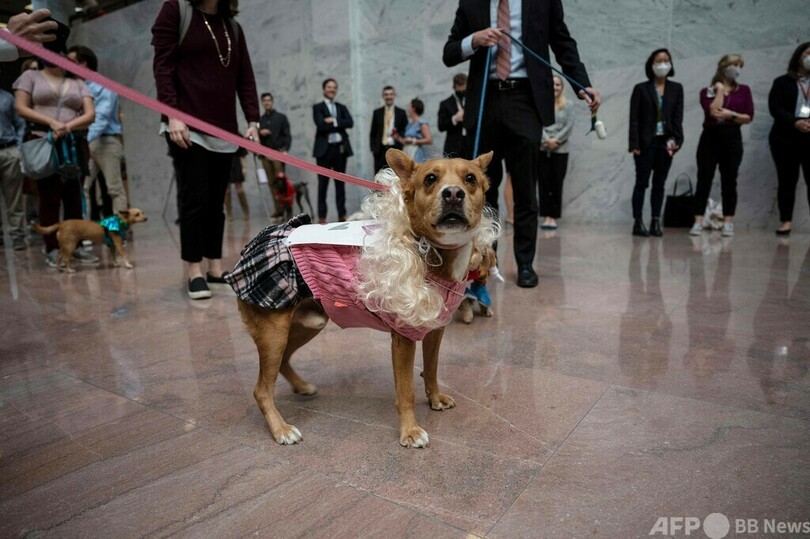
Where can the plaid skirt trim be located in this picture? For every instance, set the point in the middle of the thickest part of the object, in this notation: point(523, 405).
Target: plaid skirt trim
point(265, 274)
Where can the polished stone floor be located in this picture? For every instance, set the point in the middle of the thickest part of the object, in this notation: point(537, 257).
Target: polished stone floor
point(641, 379)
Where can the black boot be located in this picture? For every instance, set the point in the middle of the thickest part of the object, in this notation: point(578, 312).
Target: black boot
point(639, 229)
point(655, 228)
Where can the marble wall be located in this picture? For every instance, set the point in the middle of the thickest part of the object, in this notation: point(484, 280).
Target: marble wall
point(366, 44)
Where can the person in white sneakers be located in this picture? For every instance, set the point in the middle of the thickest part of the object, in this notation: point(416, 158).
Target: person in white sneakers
point(728, 105)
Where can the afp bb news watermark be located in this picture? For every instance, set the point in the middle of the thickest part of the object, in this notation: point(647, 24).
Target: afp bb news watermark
point(718, 525)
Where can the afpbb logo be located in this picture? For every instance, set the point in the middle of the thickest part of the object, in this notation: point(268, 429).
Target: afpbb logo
point(718, 525)
point(715, 526)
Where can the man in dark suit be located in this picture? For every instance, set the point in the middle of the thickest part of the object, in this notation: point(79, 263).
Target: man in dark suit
point(451, 118)
point(519, 99)
point(385, 123)
point(332, 147)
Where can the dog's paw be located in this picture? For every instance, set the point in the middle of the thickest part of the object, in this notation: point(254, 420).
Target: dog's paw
point(466, 311)
point(440, 401)
point(486, 311)
point(414, 437)
point(70, 270)
point(129, 265)
point(288, 435)
point(116, 262)
point(306, 389)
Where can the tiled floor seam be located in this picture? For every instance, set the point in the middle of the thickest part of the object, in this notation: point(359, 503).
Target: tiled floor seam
point(281, 458)
point(537, 474)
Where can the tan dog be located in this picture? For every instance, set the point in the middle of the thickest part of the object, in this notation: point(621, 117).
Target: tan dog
point(443, 230)
point(71, 232)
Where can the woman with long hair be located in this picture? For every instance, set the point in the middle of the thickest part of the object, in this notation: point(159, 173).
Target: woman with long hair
point(51, 100)
point(789, 103)
point(656, 134)
point(201, 65)
point(727, 105)
point(552, 163)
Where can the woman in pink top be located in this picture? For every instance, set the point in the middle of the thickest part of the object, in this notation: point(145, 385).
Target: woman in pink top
point(51, 100)
point(727, 106)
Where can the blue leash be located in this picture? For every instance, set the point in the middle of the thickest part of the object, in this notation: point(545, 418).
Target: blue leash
point(542, 60)
point(481, 105)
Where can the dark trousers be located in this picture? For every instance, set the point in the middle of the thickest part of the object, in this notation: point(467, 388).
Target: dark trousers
point(656, 161)
point(789, 154)
point(202, 179)
point(53, 195)
point(551, 169)
point(379, 158)
point(719, 146)
point(335, 160)
point(511, 127)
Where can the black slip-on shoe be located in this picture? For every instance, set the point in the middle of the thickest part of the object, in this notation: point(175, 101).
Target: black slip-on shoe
point(198, 289)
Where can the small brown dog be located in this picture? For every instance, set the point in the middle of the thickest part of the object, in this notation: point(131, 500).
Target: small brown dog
point(472, 295)
point(71, 232)
point(433, 231)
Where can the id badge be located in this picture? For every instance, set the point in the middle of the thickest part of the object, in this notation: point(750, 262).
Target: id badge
point(659, 129)
point(804, 111)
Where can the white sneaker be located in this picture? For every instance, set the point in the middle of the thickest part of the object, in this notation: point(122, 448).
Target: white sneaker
point(84, 257)
point(52, 257)
point(728, 230)
point(696, 229)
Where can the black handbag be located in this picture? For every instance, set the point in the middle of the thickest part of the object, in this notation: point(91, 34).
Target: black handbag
point(67, 153)
point(679, 211)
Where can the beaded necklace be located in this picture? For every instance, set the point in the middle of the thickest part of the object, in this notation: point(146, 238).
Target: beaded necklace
point(226, 60)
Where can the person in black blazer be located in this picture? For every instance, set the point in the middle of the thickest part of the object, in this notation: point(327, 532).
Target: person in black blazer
point(656, 134)
point(332, 148)
point(378, 128)
point(520, 99)
point(451, 118)
point(789, 103)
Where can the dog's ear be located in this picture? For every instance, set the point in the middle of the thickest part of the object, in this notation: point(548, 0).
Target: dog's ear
point(400, 163)
point(484, 160)
point(124, 213)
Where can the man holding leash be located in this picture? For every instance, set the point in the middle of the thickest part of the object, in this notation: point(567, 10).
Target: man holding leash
point(519, 97)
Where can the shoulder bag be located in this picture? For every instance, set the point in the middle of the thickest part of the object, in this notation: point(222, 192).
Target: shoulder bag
point(679, 211)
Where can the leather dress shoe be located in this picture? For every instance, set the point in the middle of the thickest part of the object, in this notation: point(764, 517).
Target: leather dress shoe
point(527, 278)
point(655, 228)
point(639, 229)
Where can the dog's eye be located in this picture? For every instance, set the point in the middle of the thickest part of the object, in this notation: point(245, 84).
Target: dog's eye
point(430, 179)
point(471, 179)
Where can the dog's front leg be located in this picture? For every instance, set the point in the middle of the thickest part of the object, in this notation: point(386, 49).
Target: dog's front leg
point(430, 358)
point(402, 355)
point(119, 253)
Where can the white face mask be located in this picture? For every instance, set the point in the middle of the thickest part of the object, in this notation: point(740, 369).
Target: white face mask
point(662, 70)
point(806, 63)
point(732, 73)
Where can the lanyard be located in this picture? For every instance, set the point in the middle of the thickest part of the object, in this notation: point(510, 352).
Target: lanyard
point(805, 92)
point(660, 102)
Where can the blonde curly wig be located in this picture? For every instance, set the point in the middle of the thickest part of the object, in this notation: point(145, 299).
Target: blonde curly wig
point(391, 272)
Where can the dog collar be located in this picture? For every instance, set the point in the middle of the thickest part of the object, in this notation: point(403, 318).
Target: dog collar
point(425, 244)
point(426, 247)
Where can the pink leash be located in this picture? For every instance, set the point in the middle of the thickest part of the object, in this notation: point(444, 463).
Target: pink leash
point(155, 105)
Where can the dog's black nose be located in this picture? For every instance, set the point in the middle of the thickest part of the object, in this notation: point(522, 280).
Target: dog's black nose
point(453, 194)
